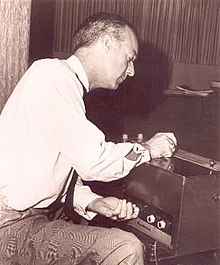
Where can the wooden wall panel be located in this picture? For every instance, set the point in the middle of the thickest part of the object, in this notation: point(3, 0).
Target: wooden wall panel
point(14, 44)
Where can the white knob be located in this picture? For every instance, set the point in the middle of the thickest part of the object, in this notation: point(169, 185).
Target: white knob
point(161, 224)
point(124, 137)
point(140, 136)
point(151, 219)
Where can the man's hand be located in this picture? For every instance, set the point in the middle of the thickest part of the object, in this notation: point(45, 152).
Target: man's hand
point(114, 208)
point(161, 145)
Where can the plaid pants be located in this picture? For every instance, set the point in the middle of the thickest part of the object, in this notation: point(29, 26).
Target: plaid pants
point(36, 240)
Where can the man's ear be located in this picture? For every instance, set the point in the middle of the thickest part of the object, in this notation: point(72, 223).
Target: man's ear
point(107, 42)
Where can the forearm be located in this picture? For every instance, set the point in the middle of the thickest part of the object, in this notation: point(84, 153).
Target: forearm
point(112, 162)
point(83, 196)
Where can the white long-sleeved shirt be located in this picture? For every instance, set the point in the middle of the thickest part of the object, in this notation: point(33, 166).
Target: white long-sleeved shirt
point(44, 132)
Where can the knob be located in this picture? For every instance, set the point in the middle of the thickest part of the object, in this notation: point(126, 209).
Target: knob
point(140, 138)
point(124, 137)
point(151, 219)
point(161, 224)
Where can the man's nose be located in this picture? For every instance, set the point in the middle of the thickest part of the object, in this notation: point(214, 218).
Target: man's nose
point(130, 69)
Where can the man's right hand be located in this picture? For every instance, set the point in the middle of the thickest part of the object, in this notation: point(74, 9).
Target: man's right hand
point(161, 145)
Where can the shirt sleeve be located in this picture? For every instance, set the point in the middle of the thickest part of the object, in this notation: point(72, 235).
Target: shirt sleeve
point(61, 119)
point(95, 159)
point(83, 194)
point(82, 197)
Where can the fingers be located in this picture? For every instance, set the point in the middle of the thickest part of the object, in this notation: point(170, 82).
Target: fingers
point(169, 149)
point(171, 146)
point(136, 211)
point(171, 137)
point(162, 145)
point(125, 211)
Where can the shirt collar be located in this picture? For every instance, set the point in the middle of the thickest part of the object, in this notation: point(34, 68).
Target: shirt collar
point(75, 64)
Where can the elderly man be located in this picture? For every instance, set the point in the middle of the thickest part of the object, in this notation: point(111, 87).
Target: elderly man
point(46, 140)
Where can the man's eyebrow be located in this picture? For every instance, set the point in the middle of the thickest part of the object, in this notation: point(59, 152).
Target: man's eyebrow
point(135, 54)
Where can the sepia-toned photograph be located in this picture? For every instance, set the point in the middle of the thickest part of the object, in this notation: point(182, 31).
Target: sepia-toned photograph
point(110, 132)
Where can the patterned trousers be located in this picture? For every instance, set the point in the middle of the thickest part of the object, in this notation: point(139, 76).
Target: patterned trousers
point(36, 240)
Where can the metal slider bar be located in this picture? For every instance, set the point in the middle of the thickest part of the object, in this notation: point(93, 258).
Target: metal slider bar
point(197, 159)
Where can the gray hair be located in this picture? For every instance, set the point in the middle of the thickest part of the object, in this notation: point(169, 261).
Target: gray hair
point(97, 25)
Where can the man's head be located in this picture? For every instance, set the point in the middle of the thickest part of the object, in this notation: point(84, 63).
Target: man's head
point(107, 45)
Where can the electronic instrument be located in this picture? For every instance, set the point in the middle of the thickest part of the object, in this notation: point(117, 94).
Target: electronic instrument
point(179, 201)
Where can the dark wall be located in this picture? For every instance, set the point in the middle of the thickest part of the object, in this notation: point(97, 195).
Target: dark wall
point(42, 29)
point(136, 98)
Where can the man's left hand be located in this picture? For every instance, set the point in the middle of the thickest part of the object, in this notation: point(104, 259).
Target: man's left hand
point(114, 208)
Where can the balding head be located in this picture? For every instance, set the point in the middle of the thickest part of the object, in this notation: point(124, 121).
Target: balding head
point(96, 26)
point(106, 45)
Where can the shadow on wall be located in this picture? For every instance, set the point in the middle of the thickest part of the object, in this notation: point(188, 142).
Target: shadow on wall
point(42, 29)
point(136, 96)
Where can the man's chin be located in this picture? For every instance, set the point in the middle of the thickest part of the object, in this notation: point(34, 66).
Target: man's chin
point(112, 86)
point(117, 84)
point(115, 87)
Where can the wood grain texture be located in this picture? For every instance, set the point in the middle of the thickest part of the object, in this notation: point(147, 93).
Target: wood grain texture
point(14, 44)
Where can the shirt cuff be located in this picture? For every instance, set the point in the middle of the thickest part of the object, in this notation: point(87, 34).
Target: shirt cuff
point(83, 196)
point(144, 154)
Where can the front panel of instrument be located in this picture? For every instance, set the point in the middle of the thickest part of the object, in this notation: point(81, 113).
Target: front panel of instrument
point(179, 202)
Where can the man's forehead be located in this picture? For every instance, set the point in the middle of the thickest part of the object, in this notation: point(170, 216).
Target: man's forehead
point(132, 40)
